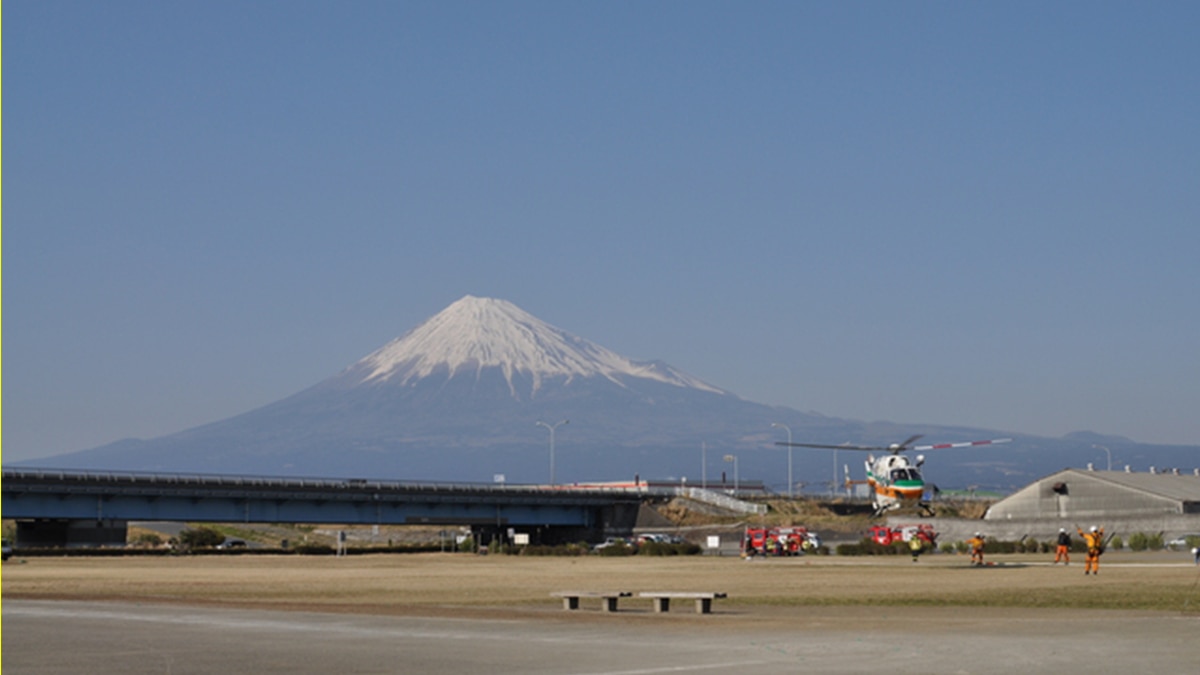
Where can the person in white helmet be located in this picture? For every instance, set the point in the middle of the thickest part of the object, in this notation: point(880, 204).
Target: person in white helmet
point(1063, 551)
point(1095, 544)
point(976, 543)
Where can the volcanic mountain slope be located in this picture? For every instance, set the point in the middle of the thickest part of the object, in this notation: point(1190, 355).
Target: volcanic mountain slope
point(458, 397)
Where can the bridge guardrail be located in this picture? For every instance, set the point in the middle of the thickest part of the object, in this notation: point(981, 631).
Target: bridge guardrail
point(722, 500)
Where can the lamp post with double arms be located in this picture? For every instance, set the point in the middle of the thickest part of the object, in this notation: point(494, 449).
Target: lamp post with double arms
point(551, 428)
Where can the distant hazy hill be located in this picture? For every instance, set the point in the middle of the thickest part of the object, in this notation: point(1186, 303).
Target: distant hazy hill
point(458, 397)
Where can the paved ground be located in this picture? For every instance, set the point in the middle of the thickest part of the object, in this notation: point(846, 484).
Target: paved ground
point(47, 637)
point(435, 613)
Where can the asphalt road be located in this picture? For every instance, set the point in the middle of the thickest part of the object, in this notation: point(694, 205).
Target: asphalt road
point(47, 637)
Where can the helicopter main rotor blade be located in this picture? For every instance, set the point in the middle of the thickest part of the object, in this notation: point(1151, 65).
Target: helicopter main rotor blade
point(832, 447)
point(940, 446)
point(898, 447)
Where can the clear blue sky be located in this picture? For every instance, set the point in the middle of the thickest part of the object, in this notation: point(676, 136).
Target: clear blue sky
point(984, 214)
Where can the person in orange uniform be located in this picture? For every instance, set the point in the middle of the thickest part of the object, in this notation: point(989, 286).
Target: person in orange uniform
point(1063, 552)
point(976, 544)
point(1095, 546)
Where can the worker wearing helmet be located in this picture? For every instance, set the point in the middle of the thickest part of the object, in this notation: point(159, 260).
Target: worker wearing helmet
point(976, 543)
point(1063, 552)
point(916, 546)
point(1095, 547)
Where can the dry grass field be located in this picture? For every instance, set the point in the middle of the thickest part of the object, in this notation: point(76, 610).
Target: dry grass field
point(453, 613)
point(439, 583)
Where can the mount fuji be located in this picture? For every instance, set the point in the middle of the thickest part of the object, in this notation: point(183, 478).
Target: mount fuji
point(459, 398)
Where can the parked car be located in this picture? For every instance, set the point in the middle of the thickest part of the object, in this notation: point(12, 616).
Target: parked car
point(1186, 541)
point(7, 551)
point(611, 541)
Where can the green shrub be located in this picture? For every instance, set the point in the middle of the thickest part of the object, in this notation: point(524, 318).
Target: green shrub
point(656, 548)
point(998, 546)
point(147, 540)
point(662, 548)
point(1138, 541)
point(200, 537)
point(543, 550)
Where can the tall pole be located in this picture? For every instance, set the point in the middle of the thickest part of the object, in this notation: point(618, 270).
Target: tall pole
point(833, 490)
point(791, 490)
point(1107, 452)
point(734, 459)
point(703, 466)
point(551, 428)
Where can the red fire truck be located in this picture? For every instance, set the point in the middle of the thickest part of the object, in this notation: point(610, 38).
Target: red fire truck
point(779, 541)
point(885, 535)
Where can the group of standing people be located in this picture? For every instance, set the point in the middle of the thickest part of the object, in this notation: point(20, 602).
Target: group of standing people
point(1094, 538)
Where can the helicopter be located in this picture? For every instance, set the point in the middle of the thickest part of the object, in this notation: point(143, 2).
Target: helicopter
point(895, 481)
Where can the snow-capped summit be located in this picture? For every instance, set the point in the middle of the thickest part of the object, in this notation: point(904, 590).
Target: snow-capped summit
point(474, 334)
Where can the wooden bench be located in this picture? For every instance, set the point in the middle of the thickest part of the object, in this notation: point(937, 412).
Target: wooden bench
point(571, 598)
point(662, 601)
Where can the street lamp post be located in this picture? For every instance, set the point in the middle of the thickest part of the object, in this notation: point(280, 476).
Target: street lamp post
point(791, 490)
point(551, 428)
point(833, 490)
point(1107, 452)
point(734, 459)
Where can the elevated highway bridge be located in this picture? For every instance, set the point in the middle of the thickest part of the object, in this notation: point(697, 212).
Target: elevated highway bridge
point(91, 508)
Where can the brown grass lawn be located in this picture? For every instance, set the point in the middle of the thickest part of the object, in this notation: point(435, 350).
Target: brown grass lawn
point(407, 583)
